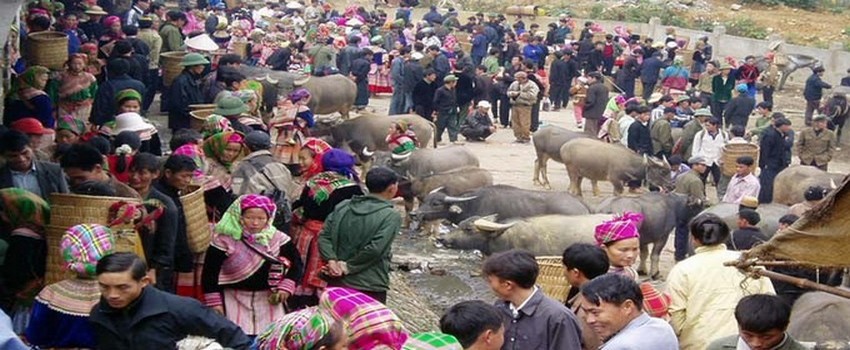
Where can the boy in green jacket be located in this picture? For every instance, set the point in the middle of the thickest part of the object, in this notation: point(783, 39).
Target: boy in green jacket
point(358, 235)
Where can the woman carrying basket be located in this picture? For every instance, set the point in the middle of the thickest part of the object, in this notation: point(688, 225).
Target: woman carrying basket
point(289, 128)
point(250, 267)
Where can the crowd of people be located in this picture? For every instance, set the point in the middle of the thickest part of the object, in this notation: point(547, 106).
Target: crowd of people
point(300, 246)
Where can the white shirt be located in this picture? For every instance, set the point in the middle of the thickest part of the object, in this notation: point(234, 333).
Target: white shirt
point(515, 309)
point(709, 147)
point(624, 123)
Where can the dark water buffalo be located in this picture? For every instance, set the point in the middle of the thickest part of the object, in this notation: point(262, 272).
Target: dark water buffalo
point(790, 184)
point(547, 143)
point(369, 132)
point(770, 214)
point(505, 201)
point(660, 213)
point(820, 317)
point(601, 161)
point(332, 93)
point(426, 161)
point(541, 235)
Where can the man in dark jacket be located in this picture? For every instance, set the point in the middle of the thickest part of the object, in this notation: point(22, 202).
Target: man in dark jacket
point(133, 315)
point(748, 234)
point(596, 61)
point(814, 92)
point(772, 156)
point(627, 75)
point(739, 108)
point(649, 71)
point(423, 95)
point(358, 236)
point(104, 107)
point(560, 80)
point(530, 69)
point(186, 90)
point(360, 72)
point(483, 90)
point(585, 47)
point(23, 171)
point(478, 125)
point(177, 176)
point(640, 137)
point(433, 17)
point(440, 62)
point(594, 104)
point(348, 54)
point(479, 45)
point(445, 104)
point(413, 74)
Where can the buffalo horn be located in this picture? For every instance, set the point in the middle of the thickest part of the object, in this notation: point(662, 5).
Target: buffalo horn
point(664, 158)
point(453, 199)
point(270, 80)
point(366, 152)
point(832, 184)
point(438, 189)
point(491, 226)
point(398, 157)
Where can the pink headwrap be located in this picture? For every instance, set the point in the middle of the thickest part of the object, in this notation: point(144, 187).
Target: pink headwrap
point(258, 201)
point(235, 138)
point(620, 99)
point(109, 21)
point(619, 228)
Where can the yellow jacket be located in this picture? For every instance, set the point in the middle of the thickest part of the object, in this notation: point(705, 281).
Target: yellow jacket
point(704, 294)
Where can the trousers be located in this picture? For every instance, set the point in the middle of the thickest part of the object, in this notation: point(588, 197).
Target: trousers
point(521, 122)
point(450, 121)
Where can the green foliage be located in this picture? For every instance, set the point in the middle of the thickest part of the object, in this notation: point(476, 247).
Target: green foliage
point(641, 13)
point(746, 27)
point(802, 4)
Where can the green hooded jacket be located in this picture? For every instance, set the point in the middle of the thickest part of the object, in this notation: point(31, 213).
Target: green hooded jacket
point(360, 232)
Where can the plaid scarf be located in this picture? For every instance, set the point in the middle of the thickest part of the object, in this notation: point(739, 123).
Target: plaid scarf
point(432, 341)
point(215, 145)
point(323, 184)
point(84, 245)
point(24, 209)
point(231, 223)
point(370, 324)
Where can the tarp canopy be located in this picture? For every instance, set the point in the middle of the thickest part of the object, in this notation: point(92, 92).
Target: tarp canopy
point(820, 238)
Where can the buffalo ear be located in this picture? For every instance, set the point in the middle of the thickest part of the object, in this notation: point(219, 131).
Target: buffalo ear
point(455, 209)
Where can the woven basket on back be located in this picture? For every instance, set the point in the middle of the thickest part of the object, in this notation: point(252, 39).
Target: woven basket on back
point(551, 278)
point(731, 152)
point(240, 48)
point(197, 226)
point(171, 67)
point(49, 49)
point(199, 117)
point(67, 210)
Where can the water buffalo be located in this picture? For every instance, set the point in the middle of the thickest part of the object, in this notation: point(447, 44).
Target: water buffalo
point(369, 132)
point(597, 160)
point(505, 201)
point(547, 143)
point(332, 93)
point(770, 214)
point(790, 184)
point(541, 235)
point(820, 317)
point(660, 211)
point(426, 161)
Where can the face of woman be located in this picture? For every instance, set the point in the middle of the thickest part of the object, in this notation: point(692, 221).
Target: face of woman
point(305, 158)
point(254, 220)
point(231, 151)
point(76, 65)
point(623, 253)
point(130, 106)
point(40, 81)
point(116, 27)
point(65, 137)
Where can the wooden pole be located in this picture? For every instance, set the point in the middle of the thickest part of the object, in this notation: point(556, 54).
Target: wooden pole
point(801, 282)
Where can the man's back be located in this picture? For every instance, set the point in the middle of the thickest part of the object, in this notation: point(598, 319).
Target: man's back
point(158, 320)
point(745, 238)
point(542, 323)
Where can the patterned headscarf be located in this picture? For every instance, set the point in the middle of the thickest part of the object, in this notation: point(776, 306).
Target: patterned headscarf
point(74, 125)
point(127, 94)
point(299, 94)
point(301, 329)
point(24, 209)
point(215, 145)
point(84, 245)
point(370, 324)
point(449, 43)
point(23, 87)
point(109, 21)
point(619, 228)
point(340, 162)
point(318, 147)
point(195, 152)
point(432, 341)
point(216, 124)
point(231, 223)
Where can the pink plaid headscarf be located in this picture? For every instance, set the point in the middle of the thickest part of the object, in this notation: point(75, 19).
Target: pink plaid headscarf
point(619, 228)
point(109, 21)
point(258, 201)
point(370, 324)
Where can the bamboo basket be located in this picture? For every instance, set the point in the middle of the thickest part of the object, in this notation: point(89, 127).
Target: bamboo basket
point(199, 117)
point(233, 4)
point(551, 278)
point(197, 226)
point(171, 67)
point(240, 48)
point(732, 151)
point(599, 37)
point(49, 49)
point(687, 57)
point(519, 10)
point(71, 209)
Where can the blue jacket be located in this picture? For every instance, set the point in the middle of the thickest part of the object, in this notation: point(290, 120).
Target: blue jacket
point(533, 53)
point(479, 45)
point(650, 69)
point(814, 88)
point(104, 108)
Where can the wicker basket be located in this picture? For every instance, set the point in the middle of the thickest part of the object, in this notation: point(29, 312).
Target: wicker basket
point(551, 278)
point(240, 48)
point(687, 57)
point(199, 117)
point(197, 226)
point(49, 49)
point(732, 151)
point(70, 209)
point(171, 68)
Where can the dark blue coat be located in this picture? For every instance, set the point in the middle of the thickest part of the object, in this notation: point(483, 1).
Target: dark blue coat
point(650, 69)
point(814, 88)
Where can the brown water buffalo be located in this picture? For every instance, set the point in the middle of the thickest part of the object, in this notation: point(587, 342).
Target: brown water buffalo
point(369, 132)
point(820, 317)
point(790, 184)
point(505, 201)
point(660, 211)
point(602, 161)
point(541, 235)
point(330, 94)
point(547, 143)
point(769, 213)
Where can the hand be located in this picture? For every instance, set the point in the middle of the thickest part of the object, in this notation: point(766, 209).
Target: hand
point(334, 270)
point(218, 309)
